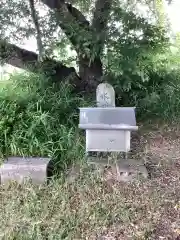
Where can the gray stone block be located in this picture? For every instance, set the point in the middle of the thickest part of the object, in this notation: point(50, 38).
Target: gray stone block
point(20, 169)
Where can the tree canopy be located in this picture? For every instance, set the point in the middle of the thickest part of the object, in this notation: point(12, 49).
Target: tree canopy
point(110, 37)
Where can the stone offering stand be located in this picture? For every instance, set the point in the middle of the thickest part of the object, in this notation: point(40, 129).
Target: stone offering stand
point(108, 130)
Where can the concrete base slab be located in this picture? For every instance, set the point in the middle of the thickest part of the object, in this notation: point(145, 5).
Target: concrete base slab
point(121, 170)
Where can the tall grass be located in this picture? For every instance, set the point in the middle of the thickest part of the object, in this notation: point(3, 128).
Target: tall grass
point(38, 118)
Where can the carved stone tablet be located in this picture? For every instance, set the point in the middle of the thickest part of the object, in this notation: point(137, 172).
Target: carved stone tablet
point(105, 95)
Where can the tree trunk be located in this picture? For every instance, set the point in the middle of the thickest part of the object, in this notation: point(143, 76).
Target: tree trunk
point(91, 74)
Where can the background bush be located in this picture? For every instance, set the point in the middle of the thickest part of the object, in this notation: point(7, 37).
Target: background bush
point(148, 79)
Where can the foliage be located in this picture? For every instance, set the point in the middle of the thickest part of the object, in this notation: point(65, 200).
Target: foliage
point(162, 100)
point(39, 119)
point(132, 43)
point(154, 88)
point(20, 26)
point(140, 64)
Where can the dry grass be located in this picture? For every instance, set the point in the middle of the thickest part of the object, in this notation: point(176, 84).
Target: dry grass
point(90, 209)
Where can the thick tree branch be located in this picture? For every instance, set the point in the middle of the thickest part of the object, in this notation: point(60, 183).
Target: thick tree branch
point(84, 39)
point(100, 18)
point(37, 27)
point(24, 59)
point(70, 19)
point(60, 4)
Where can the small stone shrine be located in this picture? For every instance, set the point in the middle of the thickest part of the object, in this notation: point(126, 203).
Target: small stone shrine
point(108, 130)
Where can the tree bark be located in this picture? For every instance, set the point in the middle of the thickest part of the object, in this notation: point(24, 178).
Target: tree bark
point(90, 73)
point(100, 20)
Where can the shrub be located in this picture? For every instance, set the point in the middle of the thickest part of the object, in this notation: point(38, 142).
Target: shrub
point(152, 85)
point(163, 100)
point(162, 90)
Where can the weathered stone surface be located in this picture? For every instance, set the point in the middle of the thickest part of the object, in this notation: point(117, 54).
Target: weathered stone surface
point(20, 169)
point(105, 95)
point(112, 171)
point(121, 170)
point(125, 171)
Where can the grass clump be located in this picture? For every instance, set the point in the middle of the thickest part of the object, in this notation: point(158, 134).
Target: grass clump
point(39, 119)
